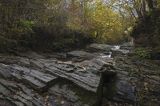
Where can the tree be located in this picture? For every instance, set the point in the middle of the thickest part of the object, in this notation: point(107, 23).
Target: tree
point(105, 23)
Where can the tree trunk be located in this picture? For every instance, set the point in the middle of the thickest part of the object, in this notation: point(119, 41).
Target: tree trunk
point(150, 4)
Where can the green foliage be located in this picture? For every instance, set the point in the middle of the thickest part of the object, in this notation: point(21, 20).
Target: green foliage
point(147, 31)
point(60, 24)
point(106, 23)
point(22, 28)
point(99, 19)
point(26, 24)
point(142, 53)
point(158, 2)
point(7, 44)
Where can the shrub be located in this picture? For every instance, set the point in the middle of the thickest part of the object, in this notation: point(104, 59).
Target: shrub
point(142, 53)
point(7, 44)
point(26, 24)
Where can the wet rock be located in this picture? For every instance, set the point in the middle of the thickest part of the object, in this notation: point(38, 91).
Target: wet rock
point(36, 79)
point(77, 73)
point(18, 95)
point(41, 72)
point(87, 81)
point(4, 102)
point(119, 91)
point(73, 94)
point(4, 90)
point(120, 52)
point(125, 92)
point(100, 47)
point(127, 46)
point(64, 90)
point(80, 54)
point(4, 71)
point(30, 55)
point(24, 76)
point(56, 55)
point(96, 63)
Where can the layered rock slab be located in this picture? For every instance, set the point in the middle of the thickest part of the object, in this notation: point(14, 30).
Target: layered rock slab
point(38, 73)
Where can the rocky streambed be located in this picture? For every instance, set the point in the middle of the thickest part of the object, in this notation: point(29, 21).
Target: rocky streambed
point(98, 75)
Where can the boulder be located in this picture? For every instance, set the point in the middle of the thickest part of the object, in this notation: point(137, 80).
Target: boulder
point(127, 46)
point(120, 52)
point(80, 54)
point(100, 47)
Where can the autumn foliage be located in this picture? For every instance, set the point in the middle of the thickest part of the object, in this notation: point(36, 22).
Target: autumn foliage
point(59, 24)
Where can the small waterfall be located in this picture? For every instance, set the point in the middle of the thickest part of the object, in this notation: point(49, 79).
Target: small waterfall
point(116, 47)
point(106, 55)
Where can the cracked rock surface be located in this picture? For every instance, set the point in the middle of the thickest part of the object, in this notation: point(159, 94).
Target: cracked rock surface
point(74, 78)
